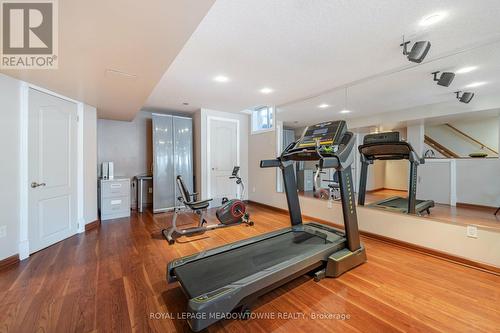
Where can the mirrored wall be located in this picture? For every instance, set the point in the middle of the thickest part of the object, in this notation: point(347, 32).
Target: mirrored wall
point(457, 173)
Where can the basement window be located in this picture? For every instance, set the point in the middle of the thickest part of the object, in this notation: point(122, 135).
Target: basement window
point(262, 119)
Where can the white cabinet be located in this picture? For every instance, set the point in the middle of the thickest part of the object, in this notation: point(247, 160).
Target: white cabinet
point(114, 198)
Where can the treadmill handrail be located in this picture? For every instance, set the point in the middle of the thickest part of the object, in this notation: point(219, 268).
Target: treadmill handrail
point(390, 150)
point(275, 163)
point(341, 160)
point(410, 154)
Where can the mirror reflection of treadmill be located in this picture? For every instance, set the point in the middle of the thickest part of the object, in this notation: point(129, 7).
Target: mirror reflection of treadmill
point(388, 146)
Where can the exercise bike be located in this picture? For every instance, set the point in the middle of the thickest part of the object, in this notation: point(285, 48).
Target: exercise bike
point(333, 190)
point(233, 212)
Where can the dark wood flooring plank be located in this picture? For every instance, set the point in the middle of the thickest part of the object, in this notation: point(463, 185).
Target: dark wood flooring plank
point(112, 279)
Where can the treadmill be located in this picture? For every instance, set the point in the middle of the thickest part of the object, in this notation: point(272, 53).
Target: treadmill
point(388, 146)
point(228, 279)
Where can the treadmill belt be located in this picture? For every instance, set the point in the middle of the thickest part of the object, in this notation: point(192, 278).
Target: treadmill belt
point(211, 273)
point(399, 203)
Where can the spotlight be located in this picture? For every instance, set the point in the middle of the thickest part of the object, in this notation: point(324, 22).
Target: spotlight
point(464, 70)
point(445, 79)
point(465, 98)
point(418, 51)
point(475, 84)
point(432, 19)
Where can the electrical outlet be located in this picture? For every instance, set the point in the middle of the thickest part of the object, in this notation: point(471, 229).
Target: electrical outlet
point(150, 190)
point(330, 203)
point(253, 189)
point(3, 231)
point(472, 231)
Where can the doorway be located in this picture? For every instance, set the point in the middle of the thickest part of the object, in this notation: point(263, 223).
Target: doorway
point(52, 148)
point(223, 153)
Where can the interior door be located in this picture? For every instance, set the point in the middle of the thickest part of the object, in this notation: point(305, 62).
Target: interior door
point(223, 157)
point(52, 169)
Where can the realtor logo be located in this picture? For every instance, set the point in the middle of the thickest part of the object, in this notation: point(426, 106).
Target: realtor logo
point(29, 34)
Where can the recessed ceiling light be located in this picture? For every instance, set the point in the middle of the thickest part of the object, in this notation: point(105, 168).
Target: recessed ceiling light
point(221, 78)
point(432, 19)
point(475, 84)
point(345, 111)
point(323, 106)
point(266, 90)
point(466, 69)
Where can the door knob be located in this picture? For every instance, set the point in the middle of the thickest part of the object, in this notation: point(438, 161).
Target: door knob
point(35, 184)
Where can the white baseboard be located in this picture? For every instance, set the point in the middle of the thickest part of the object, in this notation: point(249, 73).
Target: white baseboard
point(24, 250)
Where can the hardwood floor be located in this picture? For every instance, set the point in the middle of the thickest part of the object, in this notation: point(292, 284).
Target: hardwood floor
point(445, 213)
point(112, 279)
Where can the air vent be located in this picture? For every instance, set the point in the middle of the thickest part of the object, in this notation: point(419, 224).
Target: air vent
point(116, 72)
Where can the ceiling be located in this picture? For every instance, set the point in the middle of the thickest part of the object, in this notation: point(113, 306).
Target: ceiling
point(408, 89)
point(303, 49)
point(134, 37)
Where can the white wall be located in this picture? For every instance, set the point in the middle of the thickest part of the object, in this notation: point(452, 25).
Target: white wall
point(201, 139)
point(478, 181)
point(415, 136)
point(90, 158)
point(435, 181)
point(128, 144)
point(376, 176)
point(262, 182)
point(385, 174)
point(420, 231)
point(485, 130)
point(10, 117)
point(396, 175)
point(436, 153)
point(451, 140)
point(9, 167)
point(474, 181)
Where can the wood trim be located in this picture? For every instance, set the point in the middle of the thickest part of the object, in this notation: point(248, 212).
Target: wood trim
point(436, 253)
point(396, 242)
point(92, 225)
point(8, 262)
point(276, 209)
point(474, 206)
point(439, 147)
point(385, 189)
point(375, 190)
point(472, 139)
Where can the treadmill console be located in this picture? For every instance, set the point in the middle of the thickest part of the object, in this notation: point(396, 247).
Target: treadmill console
point(322, 139)
point(381, 137)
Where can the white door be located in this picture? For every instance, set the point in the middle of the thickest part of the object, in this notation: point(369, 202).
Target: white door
point(52, 169)
point(224, 152)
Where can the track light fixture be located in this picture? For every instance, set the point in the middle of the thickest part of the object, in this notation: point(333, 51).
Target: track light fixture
point(418, 51)
point(445, 79)
point(466, 96)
